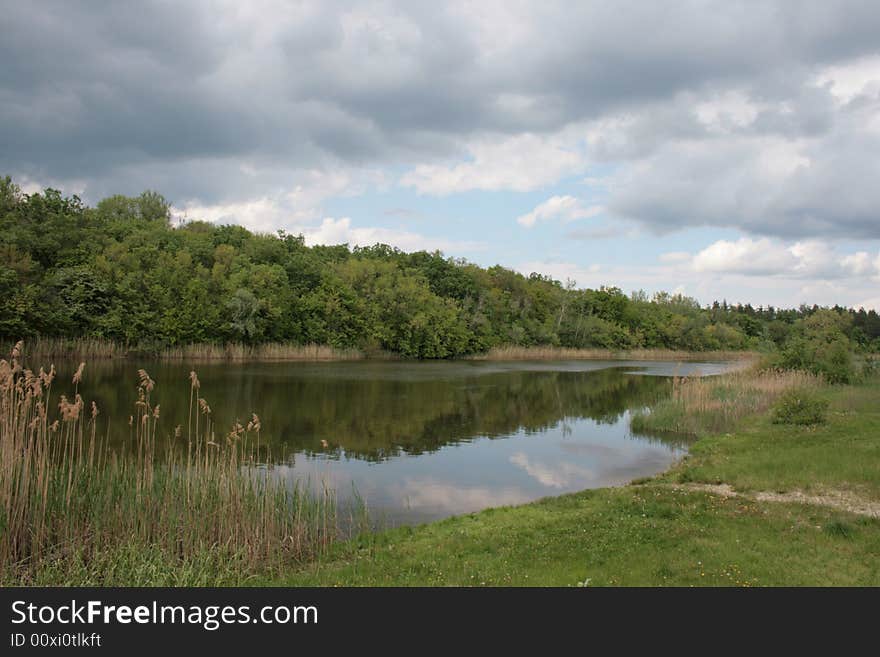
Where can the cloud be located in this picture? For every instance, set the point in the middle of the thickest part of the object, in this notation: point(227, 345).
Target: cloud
point(282, 205)
point(797, 166)
point(848, 80)
point(772, 129)
point(269, 214)
point(869, 304)
point(747, 256)
point(520, 163)
point(859, 263)
point(787, 285)
point(559, 475)
point(590, 275)
point(426, 493)
point(808, 259)
point(565, 208)
point(341, 231)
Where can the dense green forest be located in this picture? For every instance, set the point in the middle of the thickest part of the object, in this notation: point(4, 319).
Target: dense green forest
point(122, 271)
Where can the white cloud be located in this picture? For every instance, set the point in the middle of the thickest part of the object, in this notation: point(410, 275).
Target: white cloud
point(768, 257)
point(262, 214)
point(425, 493)
point(814, 258)
point(341, 231)
point(744, 255)
point(559, 475)
point(30, 185)
point(675, 272)
point(852, 78)
point(566, 208)
point(519, 163)
point(287, 205)
point(590, 275)
point(727, 110)
point(869, 304)
point(296, 212)
point(767, 271)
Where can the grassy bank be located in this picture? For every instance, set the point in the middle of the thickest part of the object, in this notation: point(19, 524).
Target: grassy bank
point(76, 510)
point(800, 507)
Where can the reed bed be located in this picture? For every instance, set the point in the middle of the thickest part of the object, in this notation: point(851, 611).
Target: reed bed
point(272, 351)
point(74, 509)
point(715, 404)
point(42, 349)
point(47, 349)
point(565, 353)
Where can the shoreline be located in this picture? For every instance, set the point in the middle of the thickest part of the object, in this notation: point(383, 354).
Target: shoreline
point(745, 496)
point(727, 513)
point(41, 348)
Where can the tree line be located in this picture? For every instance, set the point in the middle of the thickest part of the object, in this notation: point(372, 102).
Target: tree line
point(123, 271)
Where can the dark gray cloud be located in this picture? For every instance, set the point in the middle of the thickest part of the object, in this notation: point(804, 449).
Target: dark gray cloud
point(185, 96)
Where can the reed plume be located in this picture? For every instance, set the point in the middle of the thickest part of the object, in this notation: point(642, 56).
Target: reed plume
point(75, 507)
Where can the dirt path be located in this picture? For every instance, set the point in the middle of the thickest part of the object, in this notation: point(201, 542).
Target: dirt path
point(835, 499)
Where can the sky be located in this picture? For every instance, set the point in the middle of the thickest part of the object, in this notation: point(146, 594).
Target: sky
point(723, 150)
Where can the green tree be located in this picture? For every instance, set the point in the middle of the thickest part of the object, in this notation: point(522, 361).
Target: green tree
point(243, 308)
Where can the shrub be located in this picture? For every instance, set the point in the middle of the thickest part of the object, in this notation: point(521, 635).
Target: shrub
point(832, 359)
point(800, 406)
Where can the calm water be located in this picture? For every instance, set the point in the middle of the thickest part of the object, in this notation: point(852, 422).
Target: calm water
point(420, 441)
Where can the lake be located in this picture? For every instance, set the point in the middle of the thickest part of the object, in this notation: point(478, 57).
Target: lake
point(420, 441)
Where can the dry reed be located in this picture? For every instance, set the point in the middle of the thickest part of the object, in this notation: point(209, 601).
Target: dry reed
point(273, 351)
point(46, 348)
point(715, 404)
point(68, 498)
point(43, 348)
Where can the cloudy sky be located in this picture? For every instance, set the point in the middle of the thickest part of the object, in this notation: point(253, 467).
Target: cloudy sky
point(721, 149)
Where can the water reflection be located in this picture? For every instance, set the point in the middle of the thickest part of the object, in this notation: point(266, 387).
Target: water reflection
point(424, 440)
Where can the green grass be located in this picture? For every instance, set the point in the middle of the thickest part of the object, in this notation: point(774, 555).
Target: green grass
point(844, 453)
point(654, 533)
point(627, 536)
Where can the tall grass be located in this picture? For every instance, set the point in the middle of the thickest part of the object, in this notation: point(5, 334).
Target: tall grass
point(200, 508)
point(564, 353)
point(715, 404)
point(272, 351)
point(46, 348)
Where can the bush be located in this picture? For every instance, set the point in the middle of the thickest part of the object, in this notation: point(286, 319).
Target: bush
point(801, 407)
point(831, 359)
